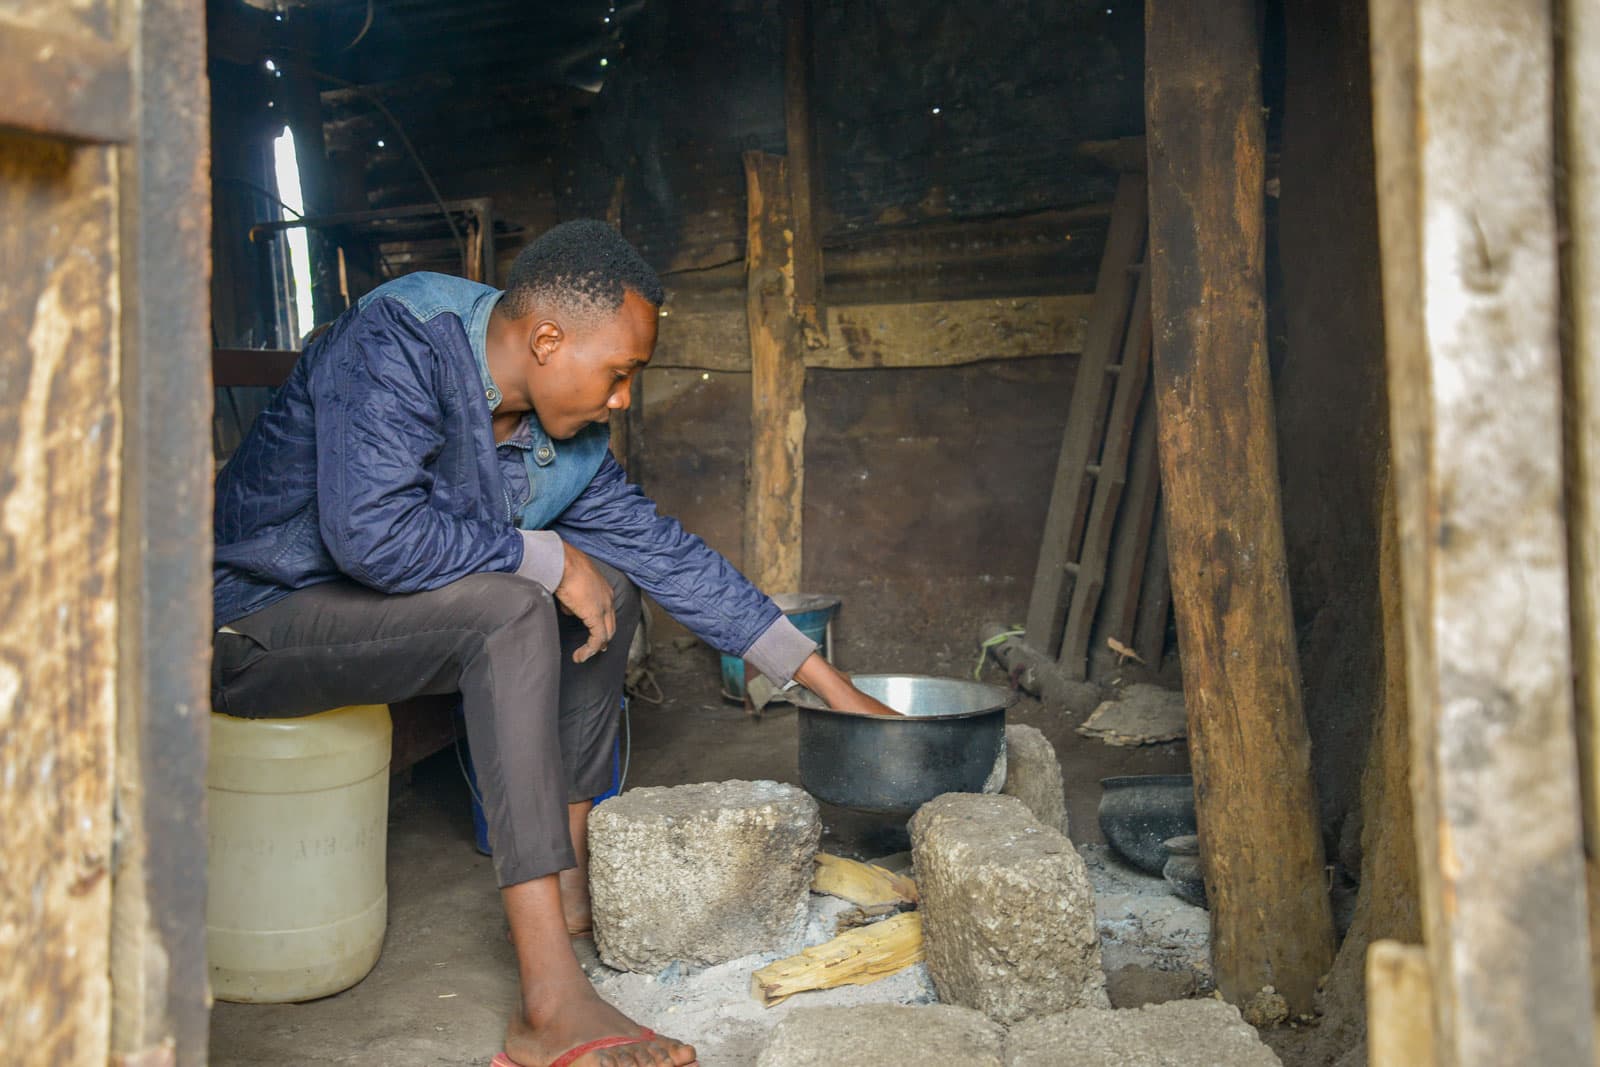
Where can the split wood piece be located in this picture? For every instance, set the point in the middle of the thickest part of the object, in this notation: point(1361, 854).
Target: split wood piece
point(1069, 495)
point(1399, 1006)
point(859, 957)
point(1109, 480)
point(1251, 753)
point(773, 507)
point(861, 883)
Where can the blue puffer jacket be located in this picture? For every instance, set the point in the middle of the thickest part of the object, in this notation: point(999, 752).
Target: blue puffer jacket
point(376, 461)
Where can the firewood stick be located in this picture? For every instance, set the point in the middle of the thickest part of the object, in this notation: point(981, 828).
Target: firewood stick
point(858, 957)
point(861, 883)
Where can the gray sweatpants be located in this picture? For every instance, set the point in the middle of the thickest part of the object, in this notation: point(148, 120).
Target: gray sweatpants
point(542, 728)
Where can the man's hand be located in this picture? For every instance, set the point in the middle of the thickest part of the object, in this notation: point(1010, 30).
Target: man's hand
point(584, 592)
point(835, 687)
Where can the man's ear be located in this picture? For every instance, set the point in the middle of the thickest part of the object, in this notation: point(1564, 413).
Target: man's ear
point(546, 337)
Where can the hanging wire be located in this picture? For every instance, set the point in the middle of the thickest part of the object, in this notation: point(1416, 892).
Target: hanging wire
point(411, 150)
point(365, 26)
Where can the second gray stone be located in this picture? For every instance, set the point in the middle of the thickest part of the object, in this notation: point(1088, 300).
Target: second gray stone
point(1180, 1033)
point(1033, 775)
point(876, 1034)
point(701, 873)
point(1007, 910)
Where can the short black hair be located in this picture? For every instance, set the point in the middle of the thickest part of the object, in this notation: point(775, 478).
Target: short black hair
point(584, 265)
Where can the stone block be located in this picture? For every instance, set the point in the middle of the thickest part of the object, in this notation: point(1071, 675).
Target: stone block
point(701, 873)
point(1179, 1033)
point(1007, 911)
point(876, 1034)
point(1033, 775)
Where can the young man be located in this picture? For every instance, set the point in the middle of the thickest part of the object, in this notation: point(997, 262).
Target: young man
point(430, 485)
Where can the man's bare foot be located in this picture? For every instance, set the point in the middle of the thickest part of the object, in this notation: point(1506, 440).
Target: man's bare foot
point(575, 906)
point(573, 1015)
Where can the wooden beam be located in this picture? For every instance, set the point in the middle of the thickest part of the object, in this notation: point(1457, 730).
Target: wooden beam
point(874, 336)
point(1399, 1006)
point(1069, 495)
point(72, 86)
point(1270, 918)
point(160, 990)
point(1468, 234)
point(773, 506)
point(804, 174)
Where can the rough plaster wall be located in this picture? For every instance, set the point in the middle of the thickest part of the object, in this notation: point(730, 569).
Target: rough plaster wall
point(1331, 398)
point(925, 492)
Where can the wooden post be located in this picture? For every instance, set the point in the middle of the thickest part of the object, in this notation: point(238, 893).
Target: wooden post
point(1470, 293)
point(777, 382)
point(800, 132)
point(1270, 919)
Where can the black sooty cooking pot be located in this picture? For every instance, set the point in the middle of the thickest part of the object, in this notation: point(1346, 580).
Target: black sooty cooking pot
point(950, 740)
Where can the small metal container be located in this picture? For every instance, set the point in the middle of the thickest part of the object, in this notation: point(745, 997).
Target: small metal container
point(950, 741)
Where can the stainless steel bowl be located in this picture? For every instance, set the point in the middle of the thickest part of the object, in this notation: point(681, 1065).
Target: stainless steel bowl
point(949, 741)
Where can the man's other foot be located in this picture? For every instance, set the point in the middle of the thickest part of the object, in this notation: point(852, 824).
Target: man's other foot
point(579, 1017)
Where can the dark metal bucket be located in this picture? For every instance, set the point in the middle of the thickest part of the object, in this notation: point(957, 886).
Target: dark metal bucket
point(949, 742)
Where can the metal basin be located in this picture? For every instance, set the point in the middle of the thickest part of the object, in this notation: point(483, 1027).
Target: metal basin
point(1140, 811)
point(949, 742)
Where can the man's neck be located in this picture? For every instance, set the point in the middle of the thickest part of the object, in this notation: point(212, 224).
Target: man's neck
point(506, 352)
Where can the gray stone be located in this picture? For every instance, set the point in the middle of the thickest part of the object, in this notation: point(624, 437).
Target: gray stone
point(1180, 1033)
point(1007, 912)
point(701, 873)
point(1033, 775)
point(875, 1034)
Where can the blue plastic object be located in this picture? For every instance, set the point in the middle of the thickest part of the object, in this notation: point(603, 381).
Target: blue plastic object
point(811, 614)
point(480, 825)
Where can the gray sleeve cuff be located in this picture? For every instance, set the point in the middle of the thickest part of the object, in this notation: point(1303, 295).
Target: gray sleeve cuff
point(543, 558)
point(779, 651)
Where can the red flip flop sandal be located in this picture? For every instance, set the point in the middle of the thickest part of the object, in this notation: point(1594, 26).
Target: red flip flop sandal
point(568, 1057)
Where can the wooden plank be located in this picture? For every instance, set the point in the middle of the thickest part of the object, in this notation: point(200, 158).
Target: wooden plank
point(1270, 918)
point(1399, 1006)
point(1069, 495)
point(1108, 484)
point(232, 367)
point(1155, 593)
point(1119, 604)
point(1468, 237)
point(160, 984)
point(60, 482)
point(773, 506)
point(71, 86)
point(873, 336)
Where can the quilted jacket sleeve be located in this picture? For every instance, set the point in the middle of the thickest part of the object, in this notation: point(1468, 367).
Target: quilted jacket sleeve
point(378, 422)
point(614, 521)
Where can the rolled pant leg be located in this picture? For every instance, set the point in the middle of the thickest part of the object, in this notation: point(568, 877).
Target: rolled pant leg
point(492, 637)
point(591, 692)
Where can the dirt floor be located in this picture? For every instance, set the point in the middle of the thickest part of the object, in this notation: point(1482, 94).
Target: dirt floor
point(446, 982)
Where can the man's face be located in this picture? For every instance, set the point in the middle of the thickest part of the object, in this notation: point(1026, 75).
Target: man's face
point(588, 367)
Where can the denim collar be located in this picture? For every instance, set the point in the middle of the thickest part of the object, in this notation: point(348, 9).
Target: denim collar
point(529, 436)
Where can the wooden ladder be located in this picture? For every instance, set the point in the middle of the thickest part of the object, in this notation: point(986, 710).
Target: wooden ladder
point(1088, 527)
